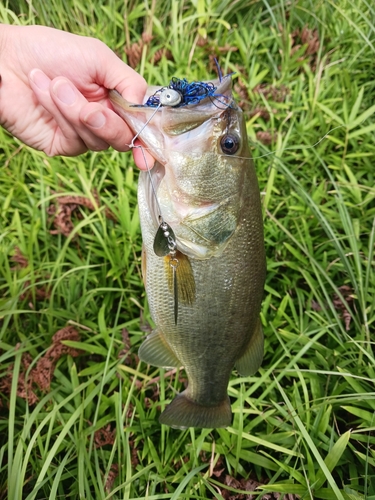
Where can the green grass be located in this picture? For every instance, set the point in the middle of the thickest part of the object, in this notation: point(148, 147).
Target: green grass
point(304, 424)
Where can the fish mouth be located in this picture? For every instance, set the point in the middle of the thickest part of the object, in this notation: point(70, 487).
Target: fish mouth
point(152, 124)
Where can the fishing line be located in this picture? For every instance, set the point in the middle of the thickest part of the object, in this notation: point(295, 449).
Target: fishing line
point(132, 145)
point(298, 147)
point(180, 92)
point(167, 97)
point(271, 153)
point(165, 242)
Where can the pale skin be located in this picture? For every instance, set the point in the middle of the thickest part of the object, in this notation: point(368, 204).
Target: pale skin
point(54, 92)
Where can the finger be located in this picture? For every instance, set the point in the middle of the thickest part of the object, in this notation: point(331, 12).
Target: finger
point(97, 125)
point(142, 157)
point(70, 102)
point(63, 138)
point(112, 73)
point(106, 125)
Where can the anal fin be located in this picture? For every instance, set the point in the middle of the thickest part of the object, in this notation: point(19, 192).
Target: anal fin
point(250, 361)
point(156, 351)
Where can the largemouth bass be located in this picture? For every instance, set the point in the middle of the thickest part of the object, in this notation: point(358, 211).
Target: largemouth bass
point(204, 290)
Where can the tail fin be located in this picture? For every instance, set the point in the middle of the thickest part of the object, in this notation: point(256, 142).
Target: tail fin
point(183, 413)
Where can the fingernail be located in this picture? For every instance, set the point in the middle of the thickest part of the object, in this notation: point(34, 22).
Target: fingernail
point(64, 92)
point(40, 79)
point(96, 119)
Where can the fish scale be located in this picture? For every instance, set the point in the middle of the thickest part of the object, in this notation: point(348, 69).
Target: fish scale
point(212, 203)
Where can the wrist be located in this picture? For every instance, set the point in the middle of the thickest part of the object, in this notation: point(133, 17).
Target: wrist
point(4, 67)
point(2, 50)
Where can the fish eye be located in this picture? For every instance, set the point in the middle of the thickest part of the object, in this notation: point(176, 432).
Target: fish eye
point(170, 97)
point(229, 144)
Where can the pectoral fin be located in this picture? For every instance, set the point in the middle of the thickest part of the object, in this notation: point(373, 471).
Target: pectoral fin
point(156, 351)
point(251, 360)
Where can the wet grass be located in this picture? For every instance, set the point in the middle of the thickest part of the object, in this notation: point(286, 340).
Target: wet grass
point(304, 424)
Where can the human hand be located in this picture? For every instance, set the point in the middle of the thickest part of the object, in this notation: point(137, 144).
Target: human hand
point(54, 91)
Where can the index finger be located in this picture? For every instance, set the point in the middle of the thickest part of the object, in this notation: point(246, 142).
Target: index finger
point(113, 73)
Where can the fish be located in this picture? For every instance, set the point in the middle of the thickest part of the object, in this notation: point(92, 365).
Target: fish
point(203, 257)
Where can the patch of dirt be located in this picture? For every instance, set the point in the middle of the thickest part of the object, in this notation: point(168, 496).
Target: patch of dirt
point(114, 470)
point(19, 259)
point(159, 54)
point(105, 435)
point(134, 51)
point(41, 292)
point(347, 294)
point(40, 377)
point(307, 38)
point(112, 475)
point(63, 208)
point(252, 105)
point(32, 291)
point(341, 306)
point(134, 454)
point(272, 92)
point(131, 358)
point(248, 101)
point(266, 138)
point(213, 51)
point(249, 485)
